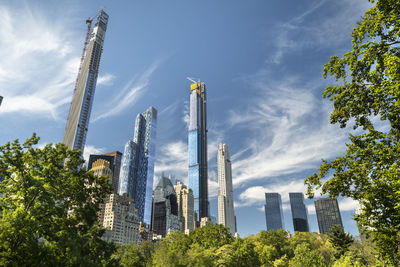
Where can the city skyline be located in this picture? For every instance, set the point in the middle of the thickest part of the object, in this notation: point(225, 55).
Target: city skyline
point(261, 99)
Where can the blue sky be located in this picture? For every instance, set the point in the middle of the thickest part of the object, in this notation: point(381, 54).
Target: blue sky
point(261, 61)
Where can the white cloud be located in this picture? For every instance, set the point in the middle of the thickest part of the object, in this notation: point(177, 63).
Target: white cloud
point(129, 94)
point(347, 204)
point(172, 159)
point(38, 63)
point(89, 149)
point(106, 79)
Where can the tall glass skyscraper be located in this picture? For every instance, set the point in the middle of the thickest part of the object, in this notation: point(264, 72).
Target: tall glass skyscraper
point(198, 174)
point(82, 100)
point(299, 212)
point(328, 214)
point(137, 165)
point(273, 211)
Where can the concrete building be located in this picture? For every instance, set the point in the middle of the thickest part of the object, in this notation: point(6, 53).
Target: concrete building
point(299, 212)
point(226, 212)
point(328, 214)
point(82, 100)
point(120, 219)
point(165, 209)
point(273, 211)
point(118, 214)
point(137, 165)
point(185, 206)
point(114, 158)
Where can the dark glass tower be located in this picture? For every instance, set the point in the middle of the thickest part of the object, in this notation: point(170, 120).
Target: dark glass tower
point(114, 158)
point(82, 100)
point(197, 146)
point(299, 212)
point(137, 165)
point(273, 211)
point(328, 214)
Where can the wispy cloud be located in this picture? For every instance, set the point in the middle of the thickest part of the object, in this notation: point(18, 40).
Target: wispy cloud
point(89, 149)
point(131, 92)
point(106, 79)
point(172, 159)
point(38, 63)
point(288, 130)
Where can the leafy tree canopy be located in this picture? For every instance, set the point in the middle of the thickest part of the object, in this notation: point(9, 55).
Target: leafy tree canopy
point(367, 93)
point(48, 208)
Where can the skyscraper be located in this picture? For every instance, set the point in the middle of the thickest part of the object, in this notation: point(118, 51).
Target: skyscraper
point(226, 213)
point(185, 206)
point(137, 165)
point(328, 214)
point(299, 212)
point(273, 211)
point(79, 113)
point(197, 146)
point(165, 209)
point(114, 158)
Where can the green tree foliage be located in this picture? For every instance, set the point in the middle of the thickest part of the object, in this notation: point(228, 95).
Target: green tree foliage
point(368, 93)
point(305, 256)
point(340, 240)
point(212, 235)
point(48, 208)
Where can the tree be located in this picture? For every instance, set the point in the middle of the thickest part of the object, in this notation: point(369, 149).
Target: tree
point(368, 95)
point(48, 208)
point(212, 235)
point(340, 240)
point(304, 256)
point(240, 253)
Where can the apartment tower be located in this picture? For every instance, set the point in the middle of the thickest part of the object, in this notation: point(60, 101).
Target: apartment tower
point(226, 213)
point(114, 158)
point(185, 206)
point(137, 165)
point(82, 100)
point(328, 214)
point(273, 211)
point(299, 212)
point(197, 146)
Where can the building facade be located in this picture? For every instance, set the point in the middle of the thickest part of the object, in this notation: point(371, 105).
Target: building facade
point(299, 212)
point(114, 158)
point(101, 167)
point(165, 209)
point(226, 212)
point(119, 217)
point(82, 100)
point(273, 211)
point(197, 146)
point(185, 206)
point(328, 214)
point(137, 164)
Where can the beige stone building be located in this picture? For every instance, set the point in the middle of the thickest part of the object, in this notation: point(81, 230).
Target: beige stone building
point(118, 214)
point(185, 206)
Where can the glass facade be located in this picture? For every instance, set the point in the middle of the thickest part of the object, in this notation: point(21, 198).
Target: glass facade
point(299, 212)
point(273, 211)
point(137, 165)
point(328, 214)
point(197, 149)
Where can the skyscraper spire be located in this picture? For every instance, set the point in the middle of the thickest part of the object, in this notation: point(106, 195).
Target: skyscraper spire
point(82, 100)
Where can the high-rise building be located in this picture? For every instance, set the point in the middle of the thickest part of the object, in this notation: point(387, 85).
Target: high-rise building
point(119, 216)
point(299, 212)
point(197, 146)
point(165, 209)
point(114, 158)
point(82, 100)
point(1, 99)
point(226, 213)
point(185, 206)
point(328, 214)
point(273, 211)
point(137, 165)
point(101, 167)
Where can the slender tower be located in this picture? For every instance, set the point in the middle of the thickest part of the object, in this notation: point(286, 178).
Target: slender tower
point(198, 149)
point(137, 165)
point(82, 100)
point(273, 211)
point(226, 213)
point(299, 212)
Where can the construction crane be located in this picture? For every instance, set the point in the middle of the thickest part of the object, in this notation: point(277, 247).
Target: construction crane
point(89, 27)
point(193, 81)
